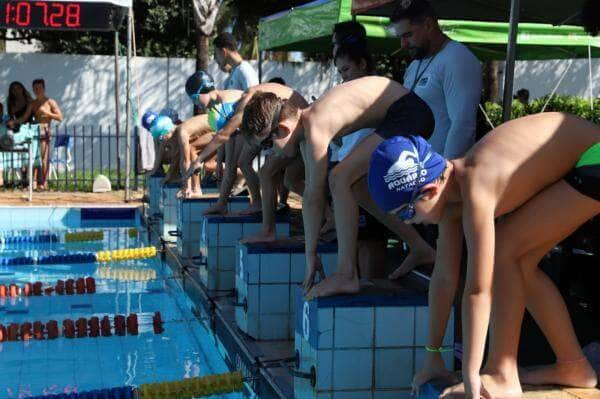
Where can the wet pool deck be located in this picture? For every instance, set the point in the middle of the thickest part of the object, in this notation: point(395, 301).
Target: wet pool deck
point(58, 198)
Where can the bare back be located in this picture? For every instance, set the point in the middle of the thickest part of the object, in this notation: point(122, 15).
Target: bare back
point(521, 157)
point(229, 96)
point(354, 105)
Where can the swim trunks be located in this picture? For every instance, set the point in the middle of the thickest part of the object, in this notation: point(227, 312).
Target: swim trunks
point(219, 114)
point(410, 115)
point(585, 176)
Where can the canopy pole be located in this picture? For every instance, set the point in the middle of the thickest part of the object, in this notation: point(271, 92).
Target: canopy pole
point(511, 53)
point(117, 130)
point(260, 70)
point(591, 76)
point(128, 111)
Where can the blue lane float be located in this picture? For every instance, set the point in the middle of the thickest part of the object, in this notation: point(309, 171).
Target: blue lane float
point(84, 257)
point(36, 239)
point(112, 393)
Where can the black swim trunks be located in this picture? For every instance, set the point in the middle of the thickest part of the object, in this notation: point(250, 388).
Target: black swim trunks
point(410, 115)
point(585, 176)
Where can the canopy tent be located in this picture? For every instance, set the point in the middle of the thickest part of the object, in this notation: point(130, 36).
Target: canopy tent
point(540, 11)
point(308, 28)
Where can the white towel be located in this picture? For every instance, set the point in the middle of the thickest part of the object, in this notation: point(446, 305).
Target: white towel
point(147, 151)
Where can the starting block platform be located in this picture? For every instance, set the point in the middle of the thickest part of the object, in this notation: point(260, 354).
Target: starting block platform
point(154, 192)
point(168, 206)
point(266, 278)
point(218, 240)
point(190, 213)
point(362, 346)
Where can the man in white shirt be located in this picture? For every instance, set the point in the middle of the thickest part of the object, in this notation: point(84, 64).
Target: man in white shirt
point(444, 73)
point(242, 75)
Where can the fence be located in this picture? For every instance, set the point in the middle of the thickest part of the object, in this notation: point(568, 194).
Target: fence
point(78, 154)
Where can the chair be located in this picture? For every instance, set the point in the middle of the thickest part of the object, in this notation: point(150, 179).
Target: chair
point(62, 155)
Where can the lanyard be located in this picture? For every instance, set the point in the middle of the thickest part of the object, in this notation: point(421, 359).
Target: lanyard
point(419, 75)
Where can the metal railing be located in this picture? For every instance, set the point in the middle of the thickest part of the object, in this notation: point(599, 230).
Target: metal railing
point(77, 155)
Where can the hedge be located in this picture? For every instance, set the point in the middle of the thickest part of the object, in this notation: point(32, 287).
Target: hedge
point(572, 104)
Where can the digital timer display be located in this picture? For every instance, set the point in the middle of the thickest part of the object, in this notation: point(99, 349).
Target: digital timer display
point(59, 15)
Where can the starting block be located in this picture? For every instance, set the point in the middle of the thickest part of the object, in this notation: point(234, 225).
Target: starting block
point(168, 206)
point(218, 240)
point(189, 221)
point(266, 278)
point(154, 193)
point(370, 344)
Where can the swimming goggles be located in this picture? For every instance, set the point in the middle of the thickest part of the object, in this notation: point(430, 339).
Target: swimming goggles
point(406, 212)
point(196, 96)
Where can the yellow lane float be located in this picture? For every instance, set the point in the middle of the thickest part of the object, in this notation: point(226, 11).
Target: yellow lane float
point(126, 274)
point(84, 236)
point(126, 254)
point(193, 387)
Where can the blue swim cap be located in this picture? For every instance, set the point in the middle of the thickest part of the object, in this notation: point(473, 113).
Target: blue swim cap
point(393, 170)
point(147, 119)
point(171, 113)
point(161, 126)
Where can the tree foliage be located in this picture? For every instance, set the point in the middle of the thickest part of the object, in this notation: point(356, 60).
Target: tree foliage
point(167, 28)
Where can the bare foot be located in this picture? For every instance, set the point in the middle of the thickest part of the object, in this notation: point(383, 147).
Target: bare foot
point(184, 193)
point(251, 210)
point(259, 237)
point(578, 374)
point(413, 260)
point(216, 209)
point(492, 387)
point(195, 194)
point(433, 369)
point(335, 284)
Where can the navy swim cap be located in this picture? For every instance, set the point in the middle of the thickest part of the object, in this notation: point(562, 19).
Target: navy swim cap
point(199, 83)
point(393, 170)
point(147, 119)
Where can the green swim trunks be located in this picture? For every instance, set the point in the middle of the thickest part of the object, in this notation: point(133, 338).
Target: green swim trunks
point(585, 176)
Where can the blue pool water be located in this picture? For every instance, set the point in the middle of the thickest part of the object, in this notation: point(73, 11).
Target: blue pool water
point(31, 368)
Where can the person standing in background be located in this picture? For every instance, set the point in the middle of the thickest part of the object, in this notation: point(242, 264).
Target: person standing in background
point(42, 110)
point(242, 75)
point(447, 76)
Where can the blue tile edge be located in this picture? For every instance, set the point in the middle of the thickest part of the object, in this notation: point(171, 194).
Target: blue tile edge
point(244, 219)
point(404, 298)
point(287, 247)
point(108, 213)
point(214, 199)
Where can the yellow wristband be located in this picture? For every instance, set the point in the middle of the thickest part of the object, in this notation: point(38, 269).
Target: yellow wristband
point(441, 349)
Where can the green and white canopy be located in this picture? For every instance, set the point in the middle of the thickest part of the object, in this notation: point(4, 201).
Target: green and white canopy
point(308, 28)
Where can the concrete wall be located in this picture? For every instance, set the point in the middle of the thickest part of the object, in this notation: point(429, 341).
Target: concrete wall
point(84, 85)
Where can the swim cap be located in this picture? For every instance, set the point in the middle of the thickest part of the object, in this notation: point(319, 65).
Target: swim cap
point(147, 119)
point(393, 170)
point(199, 83)
point(171, 113)
point(161, 126)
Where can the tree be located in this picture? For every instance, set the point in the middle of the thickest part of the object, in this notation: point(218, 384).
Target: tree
point(205, 16)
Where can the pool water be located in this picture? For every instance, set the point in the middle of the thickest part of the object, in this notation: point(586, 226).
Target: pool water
point(37, 367)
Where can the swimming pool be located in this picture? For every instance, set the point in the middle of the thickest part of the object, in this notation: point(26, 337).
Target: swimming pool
point(43, 367)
